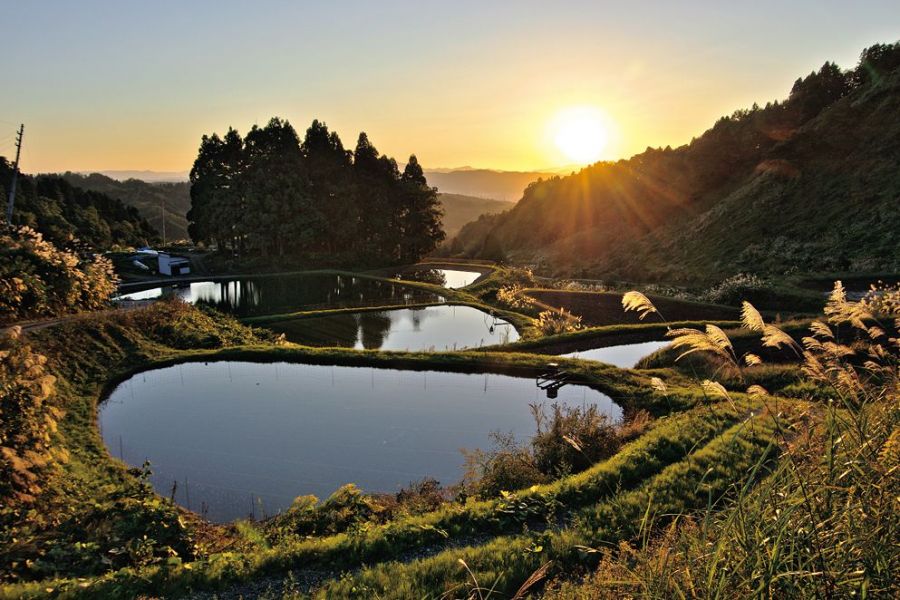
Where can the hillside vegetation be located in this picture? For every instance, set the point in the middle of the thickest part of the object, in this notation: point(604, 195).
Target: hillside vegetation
point(62, 212)
point(460, 209)
point(153, 200)
point(810, 184)
point(484, 183)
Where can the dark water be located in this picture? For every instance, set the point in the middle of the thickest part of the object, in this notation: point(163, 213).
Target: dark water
point(625, 356)
point(246, 439)
point(432, 328)
point(449, 278)
point(288, 293)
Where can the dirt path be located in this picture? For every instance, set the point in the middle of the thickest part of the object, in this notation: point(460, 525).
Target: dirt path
point(38, 324)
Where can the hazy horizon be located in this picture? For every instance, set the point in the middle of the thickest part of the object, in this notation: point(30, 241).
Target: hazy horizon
point(100, 88)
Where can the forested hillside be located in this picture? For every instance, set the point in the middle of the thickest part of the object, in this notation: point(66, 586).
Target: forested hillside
point(61, 212)
point(460, 209)
point(484, 183)
point(153, 200)
point(809, 184)
point(271, 196)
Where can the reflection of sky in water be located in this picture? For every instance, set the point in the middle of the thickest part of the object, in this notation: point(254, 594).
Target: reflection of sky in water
point(457, 279)
point(624, 356)
point(450, 278)
point(441, 328)
point(438, 328)
point(235, 433)
point(288, 293)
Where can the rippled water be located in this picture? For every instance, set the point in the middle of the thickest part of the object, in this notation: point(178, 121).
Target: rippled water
point(245, 439)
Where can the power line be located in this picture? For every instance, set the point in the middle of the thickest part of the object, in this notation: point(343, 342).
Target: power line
point(15, 174)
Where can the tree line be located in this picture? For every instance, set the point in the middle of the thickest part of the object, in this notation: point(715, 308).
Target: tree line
point(270, 195)
point(71, 217)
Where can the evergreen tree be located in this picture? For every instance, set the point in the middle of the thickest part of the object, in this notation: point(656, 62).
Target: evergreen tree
point(421, 215)
point(279, 203)
point(270, 195)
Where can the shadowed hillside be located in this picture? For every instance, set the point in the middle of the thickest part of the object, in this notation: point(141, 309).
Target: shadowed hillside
point(459, 210)
point(808, 184)
point(61, 211)
point(484, 183)
point(151, 199)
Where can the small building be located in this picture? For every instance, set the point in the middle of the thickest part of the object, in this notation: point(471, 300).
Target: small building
point(173, 265)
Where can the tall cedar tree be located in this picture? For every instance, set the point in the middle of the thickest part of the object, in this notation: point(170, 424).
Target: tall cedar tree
point(269, 195)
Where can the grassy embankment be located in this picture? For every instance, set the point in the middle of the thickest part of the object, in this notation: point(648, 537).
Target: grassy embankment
point(98, 506)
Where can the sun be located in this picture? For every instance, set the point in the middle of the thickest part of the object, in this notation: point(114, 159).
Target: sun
point(581, 133)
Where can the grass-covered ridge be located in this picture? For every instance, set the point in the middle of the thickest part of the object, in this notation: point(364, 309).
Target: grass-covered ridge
point(710, 453)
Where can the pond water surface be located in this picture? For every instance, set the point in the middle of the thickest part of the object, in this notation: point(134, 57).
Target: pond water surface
point(244, 439)
point(449, 278)
point(443, 327)
point(624, 356)
point(288, 293)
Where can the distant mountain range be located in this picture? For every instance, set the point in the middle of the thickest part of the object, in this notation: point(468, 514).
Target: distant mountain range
point(484, 183)
point(148, 176)
point(811, 184)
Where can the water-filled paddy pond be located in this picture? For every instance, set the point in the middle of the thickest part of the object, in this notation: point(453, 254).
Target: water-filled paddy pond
point(443, 327)
point(289, 293)
point(449, 278)
point(624, 356)
point(244, 438)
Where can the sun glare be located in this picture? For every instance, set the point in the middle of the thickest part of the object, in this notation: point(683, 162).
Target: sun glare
point(581, 133)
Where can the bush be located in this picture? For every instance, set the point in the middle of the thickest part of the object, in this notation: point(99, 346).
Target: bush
point(508, 466)
point(567, 440)
point(27, 421)
point(552, 322)
point(571, 439)
point(734, 289)
point(38, 279)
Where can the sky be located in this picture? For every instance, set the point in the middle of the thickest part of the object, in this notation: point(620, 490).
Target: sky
point(125, 84)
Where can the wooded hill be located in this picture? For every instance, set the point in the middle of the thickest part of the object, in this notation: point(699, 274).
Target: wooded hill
point(153, 200)
point(810, 184)
point(460, 209)
point(63, 212)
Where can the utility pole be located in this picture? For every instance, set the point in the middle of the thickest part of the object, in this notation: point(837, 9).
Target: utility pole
point(12, 187)
point(162, 210)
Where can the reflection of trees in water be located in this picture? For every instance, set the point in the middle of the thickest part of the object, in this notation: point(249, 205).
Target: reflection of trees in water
point(336, 330)
point(373, 327)
point(435, 276)
point(267, 295)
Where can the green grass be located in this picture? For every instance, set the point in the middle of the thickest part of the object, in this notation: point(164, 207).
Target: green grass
point(695, 452)
point(504, 563)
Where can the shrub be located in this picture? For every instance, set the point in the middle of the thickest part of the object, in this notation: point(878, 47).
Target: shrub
point(734, 289)
point(27, 420)
point(567, 440)
point(508, 466)
point(571, 439)
point(38, 279)
point(512, 296)
point(552, 322)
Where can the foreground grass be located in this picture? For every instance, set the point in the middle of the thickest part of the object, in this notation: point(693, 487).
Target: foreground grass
point(96, 508)
point(714, 465)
